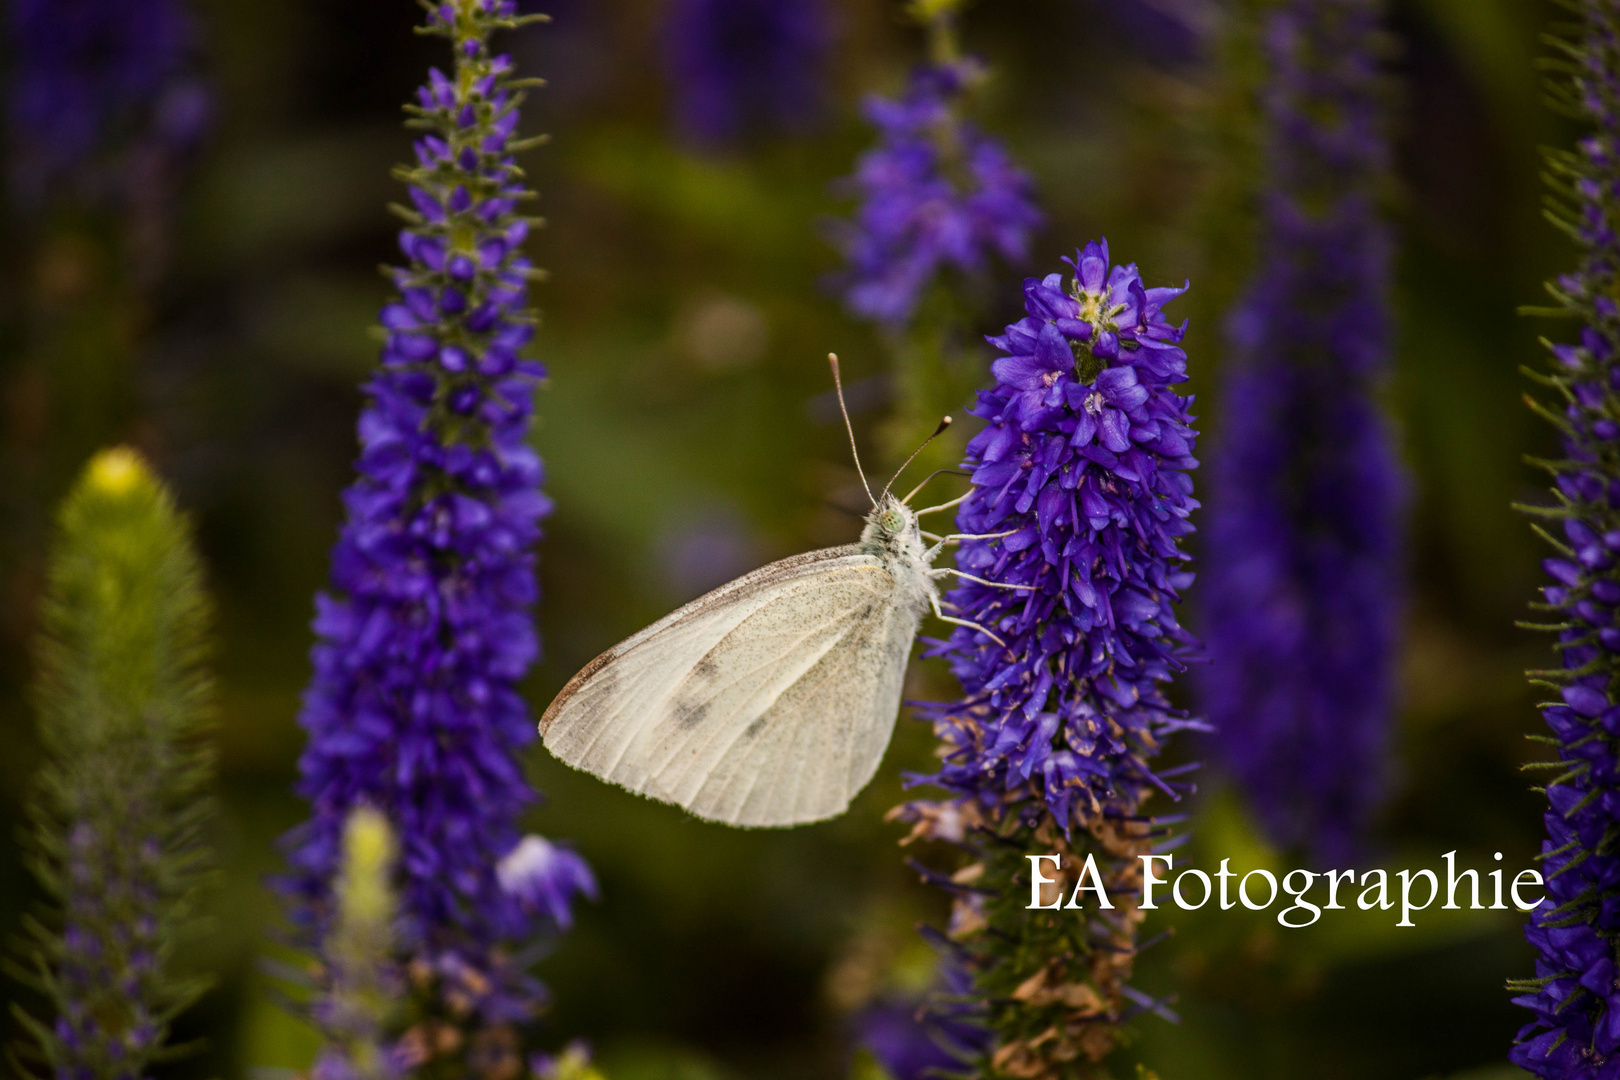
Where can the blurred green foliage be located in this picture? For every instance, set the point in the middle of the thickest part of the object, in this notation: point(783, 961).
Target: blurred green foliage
point(686, 326)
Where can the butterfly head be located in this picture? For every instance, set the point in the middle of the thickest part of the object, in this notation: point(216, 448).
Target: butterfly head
point(891, 524)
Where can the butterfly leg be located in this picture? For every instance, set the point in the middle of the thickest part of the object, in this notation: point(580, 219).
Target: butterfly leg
point(942, 617)
point(943, 506)
point(930, 476)
point(941, 571)
point(941, 541)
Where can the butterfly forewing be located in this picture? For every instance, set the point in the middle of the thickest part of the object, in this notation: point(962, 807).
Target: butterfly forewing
point(767, 702)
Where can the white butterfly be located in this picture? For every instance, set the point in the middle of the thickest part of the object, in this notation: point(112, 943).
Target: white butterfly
point(770, 700)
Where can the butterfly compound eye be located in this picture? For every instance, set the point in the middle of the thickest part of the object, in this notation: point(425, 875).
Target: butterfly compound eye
point(892, 522)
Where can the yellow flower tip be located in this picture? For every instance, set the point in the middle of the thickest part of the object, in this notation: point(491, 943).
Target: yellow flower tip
point(116, 471)
point(368, 841)
point(929, 10)
point(574, 1063)
point(368, 855)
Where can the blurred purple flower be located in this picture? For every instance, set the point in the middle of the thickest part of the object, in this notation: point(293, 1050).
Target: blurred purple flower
point(1304, 584)
point(88, 74)
point(546, 877)
point(414, 707)
point(915, 1039)
point(704, 552)
point(1171, 31)
point(934, 192)
point(742, 66)
point(1081, 495)
point(900, 1040)
point(1575, 995)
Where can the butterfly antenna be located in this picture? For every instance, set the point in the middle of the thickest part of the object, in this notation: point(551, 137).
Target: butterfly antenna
point(944, 423)
point(929, 479)
point(838, 384)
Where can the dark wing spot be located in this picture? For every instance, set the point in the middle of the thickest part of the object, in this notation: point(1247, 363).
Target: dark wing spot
point(706, 668)
point(691, 713)
point(752, 730)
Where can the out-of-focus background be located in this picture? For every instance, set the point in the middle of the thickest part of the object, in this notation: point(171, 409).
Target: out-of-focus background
point(689, 436)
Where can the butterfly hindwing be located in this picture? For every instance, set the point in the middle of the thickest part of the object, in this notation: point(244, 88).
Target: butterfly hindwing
point(766, 702)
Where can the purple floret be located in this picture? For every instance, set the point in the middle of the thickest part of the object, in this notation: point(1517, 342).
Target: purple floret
point(1575, 996)
point(935, 193)
point(1303, 583)
point(546, 878)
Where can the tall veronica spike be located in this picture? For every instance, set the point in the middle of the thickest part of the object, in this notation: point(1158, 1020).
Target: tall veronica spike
point(413, 709)
point(1304, 577)
point(1576, 1031)
point(935, 193)
point(120, 805)
point(741, 66)
point(938, 200)
point(1082, 493)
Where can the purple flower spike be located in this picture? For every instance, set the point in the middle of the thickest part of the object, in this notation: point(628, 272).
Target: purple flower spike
point(1575, 996)
point(119, 813)
point(1082, 471)
point(935, 193)
point(414, 708)
point(743, 66)
point(1081, 496)
point(1304, 588)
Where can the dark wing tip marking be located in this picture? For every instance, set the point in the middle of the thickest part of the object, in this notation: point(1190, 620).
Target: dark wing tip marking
point(573, 687)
